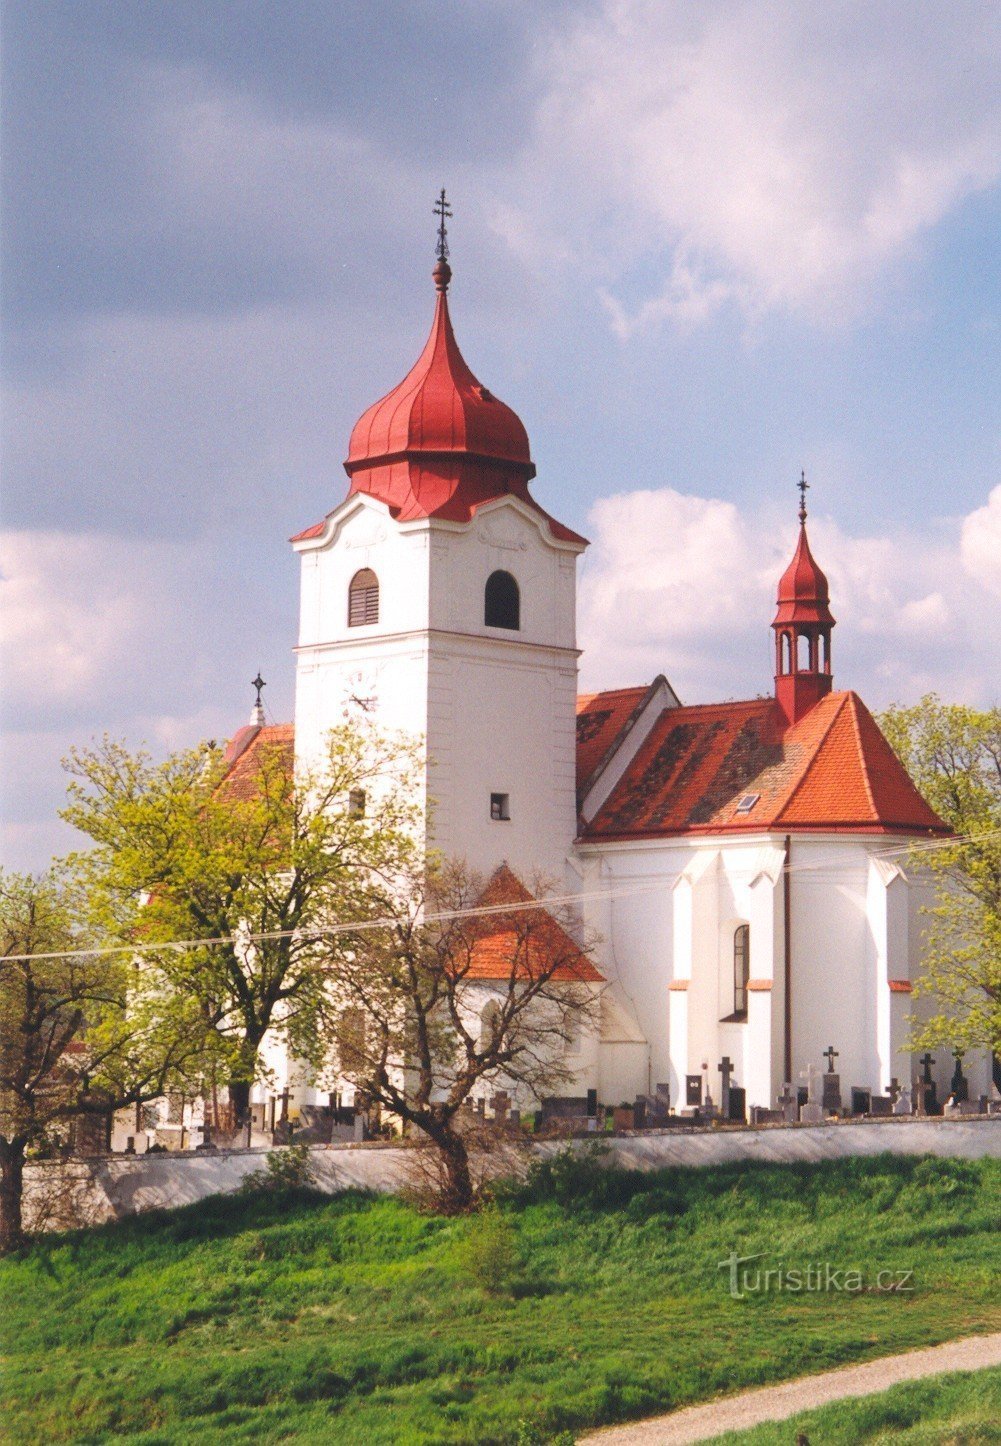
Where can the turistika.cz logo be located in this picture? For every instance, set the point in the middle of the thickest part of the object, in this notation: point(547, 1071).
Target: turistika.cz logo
point(818, 1277)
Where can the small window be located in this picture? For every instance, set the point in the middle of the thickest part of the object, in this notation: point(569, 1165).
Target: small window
point(363, 599)
point(356, 803)
point(741, 968)
point(502, 602)
point(500, 806)
point(747, 802)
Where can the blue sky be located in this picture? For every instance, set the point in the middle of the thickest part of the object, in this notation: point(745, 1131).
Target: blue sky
point(696, 246)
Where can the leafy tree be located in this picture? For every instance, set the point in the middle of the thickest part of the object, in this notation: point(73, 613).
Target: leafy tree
point(260, 858)
point(80, 1033)
point(953, 753)
point(419, 1023)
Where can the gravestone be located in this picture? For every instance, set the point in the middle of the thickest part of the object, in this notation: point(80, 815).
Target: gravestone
point(861, 1100)
point(664, 1095)
point(894, 1089)
point(812, 1113)
point(639, 1113)
point(693, 1090)
point(881, 1105)
point(789, 1104)
point(762, 1115)
point(832, 1093)
point(738, 1105)
point(592, 1104)
point(831, 1054)
point(725, 1068)
point(902, 1104)
point(927, 1089)
point(959, 1085)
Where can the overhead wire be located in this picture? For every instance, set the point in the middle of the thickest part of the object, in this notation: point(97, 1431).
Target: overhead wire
point(547, 901)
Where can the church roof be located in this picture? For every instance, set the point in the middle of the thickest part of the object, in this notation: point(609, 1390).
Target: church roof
point(601, 718)
point(440, 444)
point(736, 768)
point(243, 756)
point(803, 593)
point(530, 942)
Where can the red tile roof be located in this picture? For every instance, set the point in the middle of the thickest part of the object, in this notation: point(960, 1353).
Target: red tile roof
point(528, 943)
point(833, 770)
point(601, 717)
point(241, 779)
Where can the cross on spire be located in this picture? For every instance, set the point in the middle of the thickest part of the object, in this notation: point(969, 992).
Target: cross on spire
point(441, 210)
point(802, 484)
point(257, 712)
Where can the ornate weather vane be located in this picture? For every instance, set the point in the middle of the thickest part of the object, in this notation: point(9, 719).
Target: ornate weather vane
point(441, 210)
point(258, 683)
point(802, 484)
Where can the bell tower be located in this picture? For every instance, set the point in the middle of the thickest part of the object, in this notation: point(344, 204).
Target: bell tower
point(441, 597)
point(802, 627)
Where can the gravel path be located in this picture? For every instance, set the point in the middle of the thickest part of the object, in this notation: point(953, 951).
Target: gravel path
point(776, 1403)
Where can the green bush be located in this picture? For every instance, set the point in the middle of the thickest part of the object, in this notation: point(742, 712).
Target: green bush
point(489, 1255)
point(287, 1169)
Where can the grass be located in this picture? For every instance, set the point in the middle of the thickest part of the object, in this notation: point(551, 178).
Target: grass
point(954, 1410)
point(291, 1317)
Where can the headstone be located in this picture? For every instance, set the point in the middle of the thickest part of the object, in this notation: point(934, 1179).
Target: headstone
point(959, 1084)
point(894, 1089)
point(832, 1093)
point(500, 1105)
point(902, 1104)
point(762, 1115)
point(927, 1090)
point(982, 1104)
point(789, 1104)
point(725, 1068)
point(359, 1126)
point(861, 1100)
point(693, 1090)
point(812, 1113)
point(639, 1113)
point(515, 1118)
point(664, 1095)
point(592, 1104)
point(881, 1105)
point(738, 1105)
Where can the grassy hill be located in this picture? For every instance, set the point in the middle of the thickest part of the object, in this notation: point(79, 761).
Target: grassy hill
point(587, 1296)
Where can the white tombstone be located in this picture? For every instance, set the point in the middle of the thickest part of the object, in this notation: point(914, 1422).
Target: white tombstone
point(812, 1113)
point(902, 1104)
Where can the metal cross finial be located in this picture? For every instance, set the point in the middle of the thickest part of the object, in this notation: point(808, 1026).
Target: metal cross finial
point(258, 683)
point(802, 484)
point(440, 209)
point(831, 1054)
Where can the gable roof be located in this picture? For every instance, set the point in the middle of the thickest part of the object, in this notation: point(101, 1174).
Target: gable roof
point(526, 942)
point(601, 717)
point(243, 755)
point(831, 771)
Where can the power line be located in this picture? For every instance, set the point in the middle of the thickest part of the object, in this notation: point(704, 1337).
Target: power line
point(476, 911)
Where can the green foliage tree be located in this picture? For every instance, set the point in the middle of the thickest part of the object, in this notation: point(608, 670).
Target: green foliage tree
point(80, 1033)
point(260, 859)
point(953, 753)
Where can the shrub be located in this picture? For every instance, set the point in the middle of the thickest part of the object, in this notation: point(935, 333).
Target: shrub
point(289, 1168)
point(489, 1254)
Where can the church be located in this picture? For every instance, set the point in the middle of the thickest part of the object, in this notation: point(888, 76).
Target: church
point(745, 865)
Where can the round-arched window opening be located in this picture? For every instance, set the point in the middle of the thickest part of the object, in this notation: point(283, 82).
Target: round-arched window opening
point(502, 602)
point(363, 599)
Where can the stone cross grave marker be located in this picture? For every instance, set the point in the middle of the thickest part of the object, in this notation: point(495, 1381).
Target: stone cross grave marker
point(788, 1104)
point(725, 1068)
point(902, 1104)
point(812, 1113)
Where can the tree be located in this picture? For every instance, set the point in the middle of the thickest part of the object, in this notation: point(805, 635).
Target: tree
point(80, 1033)
point(953, 753)
point(260, 858)
point(440, 1000)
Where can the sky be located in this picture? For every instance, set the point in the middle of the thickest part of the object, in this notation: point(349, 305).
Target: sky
point(697, 246)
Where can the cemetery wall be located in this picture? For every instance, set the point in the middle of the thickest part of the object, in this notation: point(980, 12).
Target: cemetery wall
point(112, 1186)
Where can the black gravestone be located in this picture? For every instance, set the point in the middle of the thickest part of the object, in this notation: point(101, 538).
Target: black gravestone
point(693, 1089)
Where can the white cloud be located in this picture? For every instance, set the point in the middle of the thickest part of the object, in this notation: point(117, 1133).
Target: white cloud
point(981, 544)
point(686, 585)
point(770, 154)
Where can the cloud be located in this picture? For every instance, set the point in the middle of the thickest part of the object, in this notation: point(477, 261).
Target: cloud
point(686, 585)
point(981, 544)
point(768, 155)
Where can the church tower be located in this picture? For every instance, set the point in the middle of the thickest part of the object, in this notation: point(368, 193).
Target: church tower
point(802, 626)
point(441, 599)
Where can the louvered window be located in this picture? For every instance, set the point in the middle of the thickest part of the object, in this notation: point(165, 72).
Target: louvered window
point(363, 599)
point(502, 602)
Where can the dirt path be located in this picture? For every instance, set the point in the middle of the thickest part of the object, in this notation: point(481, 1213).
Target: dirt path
point(776, 1403)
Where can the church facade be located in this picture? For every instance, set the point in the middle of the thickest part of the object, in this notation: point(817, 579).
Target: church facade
point(743, 864)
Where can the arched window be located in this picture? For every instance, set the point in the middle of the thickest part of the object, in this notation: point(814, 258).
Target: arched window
point(741, 968)
point(502, 602)
point(363, 599)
